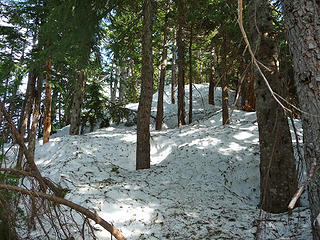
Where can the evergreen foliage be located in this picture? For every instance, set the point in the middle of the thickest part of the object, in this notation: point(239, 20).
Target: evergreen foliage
point(104, 40)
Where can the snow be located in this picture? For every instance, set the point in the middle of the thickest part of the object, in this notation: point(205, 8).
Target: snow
point(203, 183)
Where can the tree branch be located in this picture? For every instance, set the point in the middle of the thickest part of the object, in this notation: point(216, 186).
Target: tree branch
point(93, 216)
point(44, 183)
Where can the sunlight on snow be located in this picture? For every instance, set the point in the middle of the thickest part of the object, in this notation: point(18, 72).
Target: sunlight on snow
point(135, 215)
point(243, 135)
point(208, 175)
point(232, 147)
point(130, 138)
point(158, 154)
point(189, 132)
point(205, 142)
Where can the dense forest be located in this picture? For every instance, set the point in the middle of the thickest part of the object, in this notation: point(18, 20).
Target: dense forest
point(80, 63)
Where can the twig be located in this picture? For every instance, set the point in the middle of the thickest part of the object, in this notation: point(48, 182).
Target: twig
point(303, 186)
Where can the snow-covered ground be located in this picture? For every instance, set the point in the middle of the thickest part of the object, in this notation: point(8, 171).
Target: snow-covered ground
point(203, 183)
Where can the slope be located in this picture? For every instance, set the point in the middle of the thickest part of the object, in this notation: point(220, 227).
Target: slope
point(203, 184)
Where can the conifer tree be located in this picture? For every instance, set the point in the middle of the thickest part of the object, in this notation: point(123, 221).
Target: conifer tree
point(278, 177)
point(301, 21)
point(144, 110)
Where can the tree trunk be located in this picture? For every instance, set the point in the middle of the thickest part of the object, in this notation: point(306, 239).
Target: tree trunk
point(47, 106)
point(211, 79)
point(55, 106)
point(144, 109)
point(225, 97)
point(251, 99)
point(200, 66)
point(77, 103)
point(5, 129)
point(113, 85)
point(301, 21)
point(35, 116)
point(278, 178)
point(27, 111)
point(174, 70)
point(59, 110)
point(181, 64)
point(123, 84)
point(159, 116)
point(190, 76)
point(133, 81)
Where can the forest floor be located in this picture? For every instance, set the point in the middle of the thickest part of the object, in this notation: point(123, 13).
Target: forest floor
point(203, 183)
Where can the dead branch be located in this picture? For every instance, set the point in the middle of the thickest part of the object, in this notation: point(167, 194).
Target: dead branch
point(17, 171)
point(93, 216)
point(303, 186)
point(44, 183)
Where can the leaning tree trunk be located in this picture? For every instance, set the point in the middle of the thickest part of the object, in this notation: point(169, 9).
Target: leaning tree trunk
point(144, 109)
point(278, 178)
point(77, 103)
point(159, 116)
point(47, 106)
point(302, 24)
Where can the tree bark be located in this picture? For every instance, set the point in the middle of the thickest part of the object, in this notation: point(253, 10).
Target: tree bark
point(123, 84)
point(251, 99)
point(302, 24)
point(200, 66)
point(174, 70)
point(159, 117)
point(190, 75)
point(181, 64)
point(27, 110)
point(133, 81)
point(77, 103)
point(278, 178)
point(225, 97)
point(144, 109)
point(35, 117)
point(113, 84)
point(47, 106)
point(211, 78)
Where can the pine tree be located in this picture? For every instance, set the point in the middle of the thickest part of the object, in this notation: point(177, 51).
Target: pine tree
point(301, 21)
point(278, 177)
point(144, 110)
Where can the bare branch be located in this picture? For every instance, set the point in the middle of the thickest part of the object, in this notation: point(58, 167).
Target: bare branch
point(44, 183)
point(254, 60)
point(303, 186)
point(93, 216)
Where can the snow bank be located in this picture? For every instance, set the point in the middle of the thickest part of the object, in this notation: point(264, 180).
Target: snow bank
point(203, 183)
